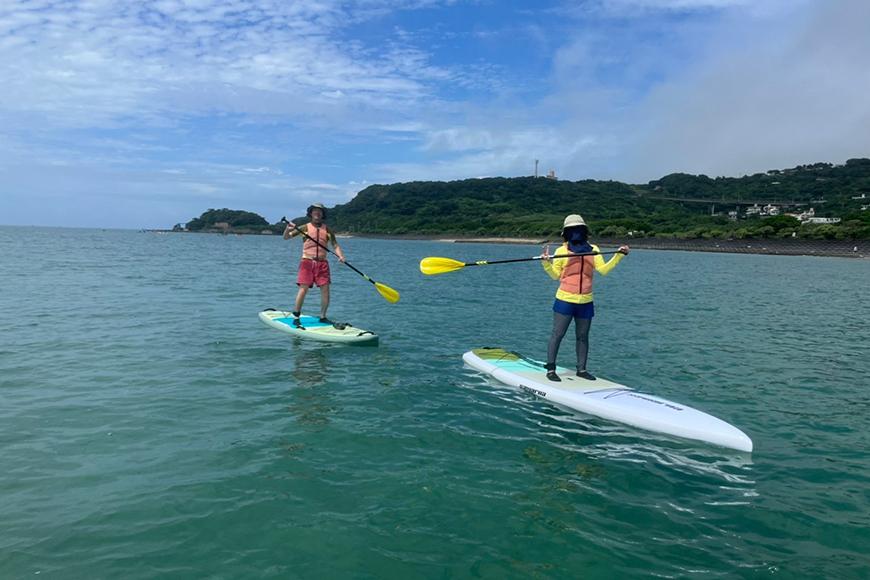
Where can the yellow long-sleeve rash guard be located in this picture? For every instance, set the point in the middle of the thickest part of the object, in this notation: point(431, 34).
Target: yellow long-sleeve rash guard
point(554, 269)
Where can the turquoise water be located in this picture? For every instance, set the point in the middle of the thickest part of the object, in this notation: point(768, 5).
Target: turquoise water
point(152, 426)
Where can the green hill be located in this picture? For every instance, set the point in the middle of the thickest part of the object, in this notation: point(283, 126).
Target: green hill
point(229, 220)
point(677, 205)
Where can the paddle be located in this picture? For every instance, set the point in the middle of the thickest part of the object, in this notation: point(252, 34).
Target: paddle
point(388, 293)
point(432, 266)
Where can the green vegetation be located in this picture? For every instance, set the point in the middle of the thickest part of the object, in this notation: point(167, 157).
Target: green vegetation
point(230, 220)
point(675, 206)
point(497, 206)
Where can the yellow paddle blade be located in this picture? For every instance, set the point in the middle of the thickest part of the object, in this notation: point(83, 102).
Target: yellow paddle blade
point(388, 293)
point(432, 266)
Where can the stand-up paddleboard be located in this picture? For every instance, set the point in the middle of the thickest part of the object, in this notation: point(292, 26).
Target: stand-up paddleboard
point(310, 328)
point(606, 399)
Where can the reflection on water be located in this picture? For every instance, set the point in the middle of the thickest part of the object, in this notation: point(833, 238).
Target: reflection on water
point(309, 365)
point(576, 444)
point(217, 446)
point(310, 400)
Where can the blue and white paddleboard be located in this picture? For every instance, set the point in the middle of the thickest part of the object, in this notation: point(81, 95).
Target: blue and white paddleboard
point(606, 399)
point(310, 328)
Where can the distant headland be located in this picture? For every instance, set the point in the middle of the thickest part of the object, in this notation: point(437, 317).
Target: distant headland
point(817, 202)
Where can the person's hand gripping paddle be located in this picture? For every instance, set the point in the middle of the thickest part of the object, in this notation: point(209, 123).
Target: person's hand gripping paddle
point(432, 266)
point(389, 294)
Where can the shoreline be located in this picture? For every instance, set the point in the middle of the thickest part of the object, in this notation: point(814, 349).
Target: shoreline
point(777, 247)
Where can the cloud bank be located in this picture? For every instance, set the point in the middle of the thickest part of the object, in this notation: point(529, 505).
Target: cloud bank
point(147, 113)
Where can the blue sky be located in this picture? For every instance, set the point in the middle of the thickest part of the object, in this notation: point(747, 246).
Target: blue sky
point(144, 114)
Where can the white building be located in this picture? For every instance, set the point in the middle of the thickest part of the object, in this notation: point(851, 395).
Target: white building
point(809, 217)
point(804, 216)
point(754, 210)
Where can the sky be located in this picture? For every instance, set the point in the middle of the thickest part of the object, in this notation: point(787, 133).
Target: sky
point(145, 114)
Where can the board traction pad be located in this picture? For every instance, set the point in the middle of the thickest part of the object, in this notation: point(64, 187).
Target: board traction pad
point(518, 364)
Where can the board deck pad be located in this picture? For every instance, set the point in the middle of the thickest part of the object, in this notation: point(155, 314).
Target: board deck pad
point(311, 328)
point(606, 399)
point(304, 321)
point(532, 369)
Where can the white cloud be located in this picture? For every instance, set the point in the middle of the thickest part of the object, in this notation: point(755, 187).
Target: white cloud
point(493, 151)
point(676, 4)
point(756, 91)
point(642, 8)
point(248, 170)
point(161, 197)
point(796, 93)
point(459, 139)
point(266, 105)
point(92, 64)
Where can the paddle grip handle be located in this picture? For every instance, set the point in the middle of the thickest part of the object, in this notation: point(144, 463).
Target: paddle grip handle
point(346, 263)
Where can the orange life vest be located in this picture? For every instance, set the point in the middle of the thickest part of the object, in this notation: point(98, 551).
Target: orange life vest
point(311, 250)
point(576, 277)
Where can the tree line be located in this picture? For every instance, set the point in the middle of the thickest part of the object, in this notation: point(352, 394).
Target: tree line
point(676, 206)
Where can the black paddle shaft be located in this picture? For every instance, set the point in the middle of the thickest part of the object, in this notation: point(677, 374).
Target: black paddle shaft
point(346, 263)
point(487, 262)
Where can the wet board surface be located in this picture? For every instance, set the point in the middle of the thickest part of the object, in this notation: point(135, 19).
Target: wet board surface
point(606, 399)
point(310, 328)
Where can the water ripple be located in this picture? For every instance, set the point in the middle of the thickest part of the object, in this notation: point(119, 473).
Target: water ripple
point(151, 426)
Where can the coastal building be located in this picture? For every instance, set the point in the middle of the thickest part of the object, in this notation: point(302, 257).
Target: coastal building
point(754, 210)
point(809, 217)
point(551, 174)
point(804, 216)
point(862, 196)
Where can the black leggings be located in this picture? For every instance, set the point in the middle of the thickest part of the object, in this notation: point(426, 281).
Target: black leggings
point(561, 322)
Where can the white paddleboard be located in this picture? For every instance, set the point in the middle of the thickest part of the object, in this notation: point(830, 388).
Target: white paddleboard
point(606, 399)
point(310, 328)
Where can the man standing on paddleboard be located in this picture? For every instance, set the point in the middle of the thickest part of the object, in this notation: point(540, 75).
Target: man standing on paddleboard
point(314, 268)
point(574, 297)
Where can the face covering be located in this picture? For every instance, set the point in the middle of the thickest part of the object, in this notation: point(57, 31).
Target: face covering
point(577, 243)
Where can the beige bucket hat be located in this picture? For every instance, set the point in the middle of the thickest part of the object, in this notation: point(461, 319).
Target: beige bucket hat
point(572, 221)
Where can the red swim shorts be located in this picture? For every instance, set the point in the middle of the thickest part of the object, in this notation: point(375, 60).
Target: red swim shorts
point(312, 272)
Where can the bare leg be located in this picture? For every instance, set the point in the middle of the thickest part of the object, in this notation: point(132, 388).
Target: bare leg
point(300, 298)
point(324, 300)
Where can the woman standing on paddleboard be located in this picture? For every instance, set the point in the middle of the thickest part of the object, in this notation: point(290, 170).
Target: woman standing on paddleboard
point(314, 269)
point(574, 297)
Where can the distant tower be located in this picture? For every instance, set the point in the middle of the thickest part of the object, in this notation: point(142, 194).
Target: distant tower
point(536, 167)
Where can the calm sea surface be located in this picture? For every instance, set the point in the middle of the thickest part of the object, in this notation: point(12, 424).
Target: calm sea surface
point(151, 426)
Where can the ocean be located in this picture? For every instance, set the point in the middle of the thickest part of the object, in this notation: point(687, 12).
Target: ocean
point(151, 426)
